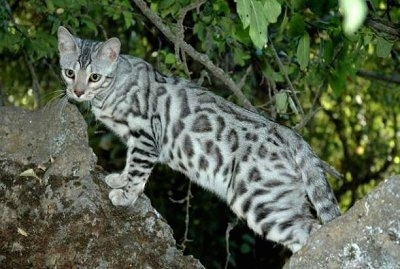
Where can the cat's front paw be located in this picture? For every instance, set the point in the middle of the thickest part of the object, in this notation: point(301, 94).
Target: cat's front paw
point(120, 197)
point(116, 181)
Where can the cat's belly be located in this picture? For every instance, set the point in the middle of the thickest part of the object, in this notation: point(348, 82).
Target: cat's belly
point(210, 180)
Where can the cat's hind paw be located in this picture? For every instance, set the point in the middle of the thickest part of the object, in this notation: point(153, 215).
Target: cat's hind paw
point(116, 181)
point(120, 197)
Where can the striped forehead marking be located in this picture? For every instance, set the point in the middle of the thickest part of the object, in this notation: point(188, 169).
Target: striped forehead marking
point(87, 47)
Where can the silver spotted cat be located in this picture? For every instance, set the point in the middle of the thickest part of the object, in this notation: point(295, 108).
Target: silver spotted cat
point(265, 172)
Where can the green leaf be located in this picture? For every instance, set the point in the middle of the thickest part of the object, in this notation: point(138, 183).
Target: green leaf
point(243, 9)
point(383, 47)
point(127, 15)
point(281, 102)
point(297, 4)
point(258, 24)
point(251, 13)
point(303, 51)
point(170, 58)
point(327, 50)
point(272, 10)
point(240, 56)
point(50, 6)
point(91, 26)
point(296, 25)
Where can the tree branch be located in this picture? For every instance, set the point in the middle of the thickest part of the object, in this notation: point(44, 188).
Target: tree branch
point(394, 78)
point(197, 56)
point(383, 28)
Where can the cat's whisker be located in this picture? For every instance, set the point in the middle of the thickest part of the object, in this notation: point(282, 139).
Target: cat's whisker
point(63, 104)
point(55, 96)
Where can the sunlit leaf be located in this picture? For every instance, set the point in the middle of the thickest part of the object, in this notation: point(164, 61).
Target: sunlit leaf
point(258, 25)
point(272, 10)
point(28, 173)
point(354, 13)
point(252, 14)
point(22, 232)
point(243, 9)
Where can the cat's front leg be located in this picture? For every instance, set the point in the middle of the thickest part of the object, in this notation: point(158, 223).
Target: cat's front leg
point(128, 185)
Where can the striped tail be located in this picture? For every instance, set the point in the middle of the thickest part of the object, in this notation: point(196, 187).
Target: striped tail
point(318, 190)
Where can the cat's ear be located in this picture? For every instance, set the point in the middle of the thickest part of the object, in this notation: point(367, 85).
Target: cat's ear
point(109, 50)
point(66, 42)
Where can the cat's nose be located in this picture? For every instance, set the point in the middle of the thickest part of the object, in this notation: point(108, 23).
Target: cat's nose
point(78, 92)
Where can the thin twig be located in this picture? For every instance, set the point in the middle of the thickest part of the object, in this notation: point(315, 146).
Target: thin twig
point(187, 215)
point(203, 75)
point(306, 119)
point(180, 34)
point(288, 81)
point(243, 80)
point(199, 57)
point(35, 81)
point(229, 228)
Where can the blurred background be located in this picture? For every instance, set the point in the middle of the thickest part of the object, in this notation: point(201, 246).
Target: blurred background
point(342, 92)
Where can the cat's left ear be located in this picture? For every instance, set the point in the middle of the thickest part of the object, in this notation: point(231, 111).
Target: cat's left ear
point(109, 50)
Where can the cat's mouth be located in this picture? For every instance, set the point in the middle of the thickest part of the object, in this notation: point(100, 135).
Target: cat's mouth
point(78, 96)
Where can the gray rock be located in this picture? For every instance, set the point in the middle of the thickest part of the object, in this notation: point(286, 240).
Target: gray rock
point(54, 206)
point(56, 134)
point(367, 236)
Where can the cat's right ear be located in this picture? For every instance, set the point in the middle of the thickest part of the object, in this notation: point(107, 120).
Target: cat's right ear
point(66, 42)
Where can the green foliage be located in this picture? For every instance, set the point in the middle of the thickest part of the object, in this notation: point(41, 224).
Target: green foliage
point(351, 83)
point(383, 47)
point(303, 51)
point(257, 15)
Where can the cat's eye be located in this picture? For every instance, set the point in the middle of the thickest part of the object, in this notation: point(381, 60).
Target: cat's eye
point(94, 77)
point(69, 73)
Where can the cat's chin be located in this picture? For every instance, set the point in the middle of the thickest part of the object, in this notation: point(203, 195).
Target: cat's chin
point(79, 99)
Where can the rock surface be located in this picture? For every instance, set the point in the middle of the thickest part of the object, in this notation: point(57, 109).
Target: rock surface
point(54, 206)
point(366, 237)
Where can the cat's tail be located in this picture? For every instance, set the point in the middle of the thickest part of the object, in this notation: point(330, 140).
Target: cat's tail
point(318, 190)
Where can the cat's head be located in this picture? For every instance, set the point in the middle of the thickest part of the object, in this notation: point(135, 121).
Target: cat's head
point(87, 67)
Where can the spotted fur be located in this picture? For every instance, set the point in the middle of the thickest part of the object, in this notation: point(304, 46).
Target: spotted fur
point(265, 172)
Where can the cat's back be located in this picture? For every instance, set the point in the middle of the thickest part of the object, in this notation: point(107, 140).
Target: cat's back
point(249, 125)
